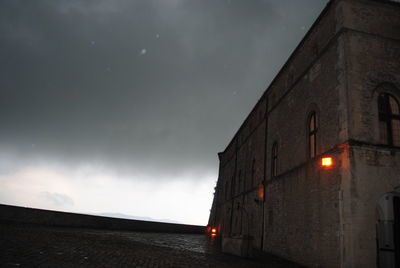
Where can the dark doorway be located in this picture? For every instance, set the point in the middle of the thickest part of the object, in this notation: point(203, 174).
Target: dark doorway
point(396, 229)
point(388, 231)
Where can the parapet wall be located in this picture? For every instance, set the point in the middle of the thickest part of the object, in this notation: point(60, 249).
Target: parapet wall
point(22, 215)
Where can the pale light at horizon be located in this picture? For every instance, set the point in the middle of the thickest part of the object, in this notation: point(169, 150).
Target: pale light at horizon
point(182, 200)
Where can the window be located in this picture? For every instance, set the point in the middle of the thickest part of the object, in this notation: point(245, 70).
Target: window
point(312, 135)
point(270, 217)
point(274, 164)
point(253, 170)
point(389, 120)
point(240, 182)
point(233, 185)
point(226, 190)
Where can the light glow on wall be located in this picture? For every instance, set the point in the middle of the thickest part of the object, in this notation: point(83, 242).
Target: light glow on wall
point(261, 191)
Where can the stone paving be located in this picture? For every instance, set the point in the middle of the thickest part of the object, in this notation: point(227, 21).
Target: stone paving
point(39, 246)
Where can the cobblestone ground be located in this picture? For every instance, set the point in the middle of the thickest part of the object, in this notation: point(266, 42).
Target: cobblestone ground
point(35, 246)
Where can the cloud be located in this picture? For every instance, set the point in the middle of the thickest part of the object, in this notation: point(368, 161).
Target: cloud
point(143, 89)
point(56, 199)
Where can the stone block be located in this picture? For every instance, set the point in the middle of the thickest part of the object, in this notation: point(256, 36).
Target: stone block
point(238, 245)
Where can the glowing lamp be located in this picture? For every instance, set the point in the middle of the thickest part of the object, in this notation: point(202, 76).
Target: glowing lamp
point(326, 162)
point(213, 231)
point(261, 193)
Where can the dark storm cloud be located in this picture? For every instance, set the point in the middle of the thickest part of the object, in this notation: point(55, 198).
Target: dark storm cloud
point(138, 84)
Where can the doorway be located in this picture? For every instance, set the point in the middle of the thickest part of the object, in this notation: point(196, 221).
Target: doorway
point(388, 230)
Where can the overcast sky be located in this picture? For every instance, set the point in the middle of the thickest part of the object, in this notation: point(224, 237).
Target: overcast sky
point(122, 106)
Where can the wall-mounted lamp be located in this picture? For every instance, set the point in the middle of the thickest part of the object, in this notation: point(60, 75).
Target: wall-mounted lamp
point(213, 231)
point(260, 192)
point(327, 162)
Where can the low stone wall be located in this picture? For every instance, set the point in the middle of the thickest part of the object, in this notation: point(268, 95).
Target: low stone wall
point(22, 215)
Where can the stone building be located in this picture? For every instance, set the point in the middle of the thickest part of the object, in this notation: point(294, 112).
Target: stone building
point(338, 97)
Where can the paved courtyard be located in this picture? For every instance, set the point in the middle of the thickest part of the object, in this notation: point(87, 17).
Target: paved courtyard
point(38, 246)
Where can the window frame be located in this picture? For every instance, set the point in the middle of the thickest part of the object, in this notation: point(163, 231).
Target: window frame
point(274, 160)
point(386, 115)
point(227, 197)
point(239, 186)
point(253, 171)
point(312, 134)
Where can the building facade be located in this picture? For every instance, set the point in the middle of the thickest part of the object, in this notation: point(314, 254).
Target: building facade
point(337, 96)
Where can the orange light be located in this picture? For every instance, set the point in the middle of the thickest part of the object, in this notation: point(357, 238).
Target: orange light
point(261, 191)
point(327, 162)
point(213, 232)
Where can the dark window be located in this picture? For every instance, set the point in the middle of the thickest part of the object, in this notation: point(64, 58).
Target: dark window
point(396, 225)
point(226, 190)
point(233, 185)
point(253, 170)
point(312, 135)
point(240, 182)
point(389, 120)
point(270, 217)
point(274, 164)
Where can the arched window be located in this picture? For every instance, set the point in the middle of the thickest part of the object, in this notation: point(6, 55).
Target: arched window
point(312, 135)
point(239, 186)
point(226, 191)
point(253, 171)
point(274, 164)
point(389, 120)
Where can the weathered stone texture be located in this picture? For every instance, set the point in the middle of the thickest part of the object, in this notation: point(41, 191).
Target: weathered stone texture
point(314, 216)
point(367, 81)
point(287, 122)
point(241, 170)
point(375, 171)
point(303, 215)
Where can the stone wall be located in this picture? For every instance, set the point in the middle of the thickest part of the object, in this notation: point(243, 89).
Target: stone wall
point(302, 214)
point(375, 171)
point(314, 216)
point(22, 215)
point(241, 171)
point(372, 50)
point(373, 63)
point(309, 81)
